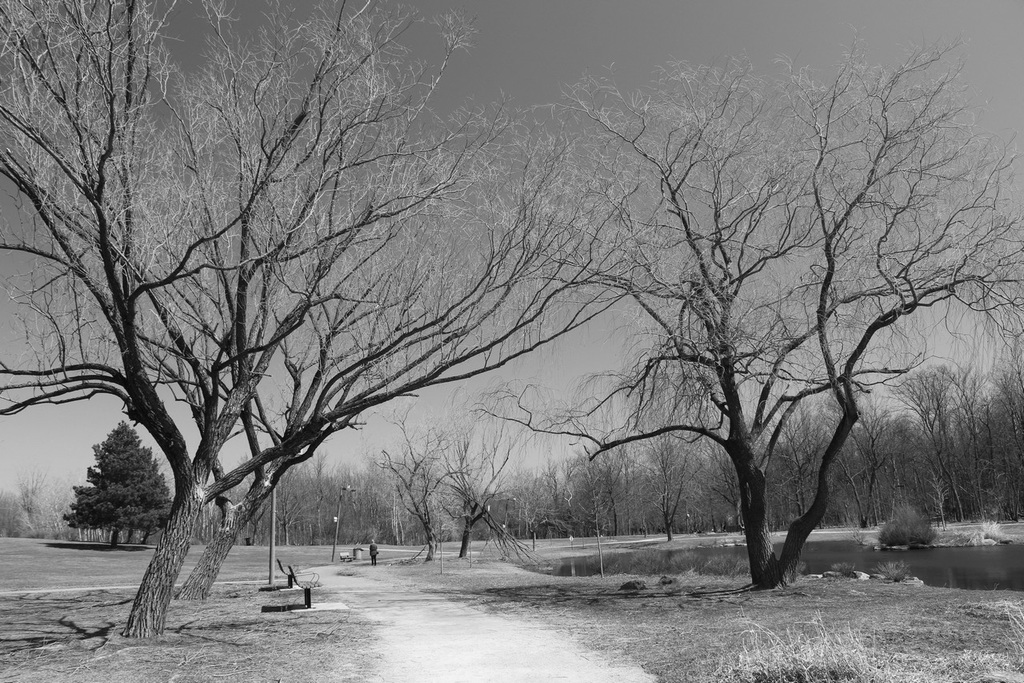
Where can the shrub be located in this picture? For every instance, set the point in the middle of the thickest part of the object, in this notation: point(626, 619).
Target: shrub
point(844, 568)
point(908, 526)
point(894, 571)
point(961, 539)
point(861, 537)
point(993, 530)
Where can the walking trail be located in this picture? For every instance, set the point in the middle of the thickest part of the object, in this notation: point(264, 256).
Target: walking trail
point(426, 637)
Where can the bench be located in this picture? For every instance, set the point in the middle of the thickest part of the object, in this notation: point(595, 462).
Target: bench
point(306, 584)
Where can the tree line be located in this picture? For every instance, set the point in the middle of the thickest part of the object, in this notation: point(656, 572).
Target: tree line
point(945, 441)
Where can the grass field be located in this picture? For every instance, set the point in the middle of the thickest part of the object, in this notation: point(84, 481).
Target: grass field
point(63, 564)
point(820, 630)
point(72, 635)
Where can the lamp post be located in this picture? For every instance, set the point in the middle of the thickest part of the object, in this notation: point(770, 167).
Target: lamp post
point(273, 539)
point(337, 521)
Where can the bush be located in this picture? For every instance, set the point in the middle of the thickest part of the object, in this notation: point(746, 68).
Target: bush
point(993, 530)
point(961, 539)
point(907, 527)
point(894, 571)
point(844, 568)
point(861, 537)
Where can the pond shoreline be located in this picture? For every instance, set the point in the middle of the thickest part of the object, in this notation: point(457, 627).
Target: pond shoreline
point(985, 566)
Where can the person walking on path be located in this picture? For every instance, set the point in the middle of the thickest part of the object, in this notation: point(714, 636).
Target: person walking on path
point(373, 553)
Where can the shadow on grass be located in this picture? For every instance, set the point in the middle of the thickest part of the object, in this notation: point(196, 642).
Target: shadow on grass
point(540, 595)
point(79, 545)
point(32, 621)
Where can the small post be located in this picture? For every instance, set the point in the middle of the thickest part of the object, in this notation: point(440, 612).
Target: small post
point(273, 538)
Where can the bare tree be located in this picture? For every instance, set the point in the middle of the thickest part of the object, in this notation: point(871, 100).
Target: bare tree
point(671, 464)
point(278, 242)
point(929, 395)
point(795, 460)
point(475, 467)
point(779, 238)
point(874, 447)
point(42, 502)
point(420, 478)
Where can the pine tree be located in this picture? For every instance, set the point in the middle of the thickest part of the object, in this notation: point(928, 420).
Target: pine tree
point(126, 491)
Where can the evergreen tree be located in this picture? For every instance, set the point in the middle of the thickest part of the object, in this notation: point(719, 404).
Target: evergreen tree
point(126, 490)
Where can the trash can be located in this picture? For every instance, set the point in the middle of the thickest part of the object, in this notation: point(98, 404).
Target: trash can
point(357, 553)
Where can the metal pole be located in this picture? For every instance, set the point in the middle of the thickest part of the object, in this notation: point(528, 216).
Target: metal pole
point(273, 536)
point(337, 525)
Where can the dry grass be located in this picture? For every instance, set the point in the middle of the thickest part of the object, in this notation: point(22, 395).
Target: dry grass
point(1015, 614)
point(994, 531)
point(72, 634)
point(976, 534)
point(895, 631)
point(893, 571)
point(820, 653)
point(804, 656)
point(73, 637)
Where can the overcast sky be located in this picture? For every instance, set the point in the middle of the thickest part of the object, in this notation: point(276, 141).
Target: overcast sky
point(530, 49)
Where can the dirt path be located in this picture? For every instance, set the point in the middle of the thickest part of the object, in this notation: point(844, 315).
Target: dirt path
point(428, 638)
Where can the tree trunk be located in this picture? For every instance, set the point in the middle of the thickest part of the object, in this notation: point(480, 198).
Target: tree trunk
point(466, 531)
point(764, 566)
point(149, 611)
point(431, 542)
point(668, 524)
point(200, 581)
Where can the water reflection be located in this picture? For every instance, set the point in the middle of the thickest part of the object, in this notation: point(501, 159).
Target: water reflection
point(976, 568)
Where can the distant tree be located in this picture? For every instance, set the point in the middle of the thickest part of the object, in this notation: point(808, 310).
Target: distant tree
point(419, 476)
point(670, 463)
point(476, 478)
point(10, 515)
point(42, 501)
point(126, 490)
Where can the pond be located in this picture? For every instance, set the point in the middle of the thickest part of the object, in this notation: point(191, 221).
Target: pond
point(977, 568)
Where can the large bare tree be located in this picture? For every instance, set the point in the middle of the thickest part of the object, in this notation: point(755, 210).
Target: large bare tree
point(779, 237)
point(270, 244)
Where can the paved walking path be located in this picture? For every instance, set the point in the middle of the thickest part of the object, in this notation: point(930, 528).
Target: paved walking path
point(426, 637)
